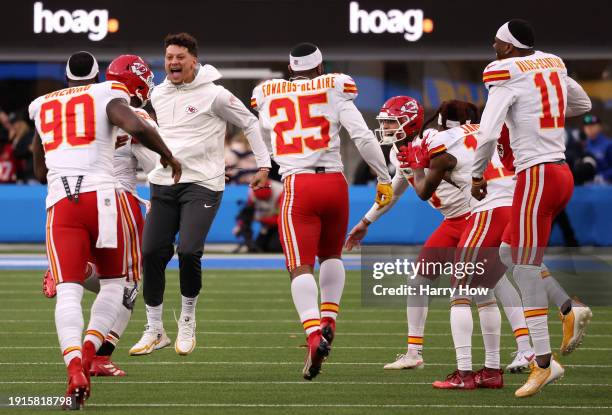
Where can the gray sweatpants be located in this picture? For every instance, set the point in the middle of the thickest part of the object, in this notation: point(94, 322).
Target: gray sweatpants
point(186, 208)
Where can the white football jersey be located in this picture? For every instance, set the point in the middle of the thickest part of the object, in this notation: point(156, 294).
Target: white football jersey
point(461, 143)
point(128, 157)
point(533, 90)
point(77, 136)
point(447, 198)
point(302, 118)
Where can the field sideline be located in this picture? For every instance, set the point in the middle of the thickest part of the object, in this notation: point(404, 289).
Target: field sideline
point(249, 357)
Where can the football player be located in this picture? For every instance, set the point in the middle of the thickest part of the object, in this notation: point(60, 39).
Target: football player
point(131, 71)
point(449, 154)
point(401, 121)
point(74, 149)
point(530, 91)
point(302, 117)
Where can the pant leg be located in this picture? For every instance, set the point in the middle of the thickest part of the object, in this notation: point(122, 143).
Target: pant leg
point(198, 208)
point(160, 229)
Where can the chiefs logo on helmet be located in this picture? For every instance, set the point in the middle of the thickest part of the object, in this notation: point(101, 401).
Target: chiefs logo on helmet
point(138, 68)
point(134, 73)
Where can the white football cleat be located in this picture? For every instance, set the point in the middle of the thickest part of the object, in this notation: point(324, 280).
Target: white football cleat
point(574, 326)
point(185, 339)
point(407, 361)
point(521, 361)
point(152, 339)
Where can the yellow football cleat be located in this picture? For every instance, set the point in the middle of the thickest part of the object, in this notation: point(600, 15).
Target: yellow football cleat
point(538, 378)
point(574, 326)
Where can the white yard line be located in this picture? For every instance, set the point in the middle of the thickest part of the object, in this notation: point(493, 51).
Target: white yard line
point(118, 382)
point(243, 363)
point(600, 349)
point(320, 405)
point(276, 333)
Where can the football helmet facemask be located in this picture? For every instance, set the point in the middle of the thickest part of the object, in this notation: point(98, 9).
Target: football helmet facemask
point(406, 112)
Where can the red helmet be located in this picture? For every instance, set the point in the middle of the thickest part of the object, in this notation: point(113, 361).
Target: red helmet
point(134, 73)
point(407, 112)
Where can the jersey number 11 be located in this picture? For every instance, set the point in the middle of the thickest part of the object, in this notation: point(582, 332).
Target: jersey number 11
point(547, 120)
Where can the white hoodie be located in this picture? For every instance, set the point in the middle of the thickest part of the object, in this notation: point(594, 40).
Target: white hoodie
point(192, 119)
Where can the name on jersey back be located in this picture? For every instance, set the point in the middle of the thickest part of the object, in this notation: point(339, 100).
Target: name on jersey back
point(68, 91)
point(284, 87)
point(526, 65)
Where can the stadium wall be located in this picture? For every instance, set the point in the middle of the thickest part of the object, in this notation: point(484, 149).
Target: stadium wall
point(22, 213)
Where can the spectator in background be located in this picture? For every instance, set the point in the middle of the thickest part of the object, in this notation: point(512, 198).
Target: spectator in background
point(22, 147)
point(240, 163)
point(582, 164)
point(599, 146)
point(262, 206)
point(8, 164)
point(5, 124)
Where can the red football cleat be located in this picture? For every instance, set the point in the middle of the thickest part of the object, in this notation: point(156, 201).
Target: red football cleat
point(89, 354)
point(318, 349)
point(78, 385)
point(328, 329)
point(489, 378)
point(48, 286)
point(456, 381)
point(104, 366)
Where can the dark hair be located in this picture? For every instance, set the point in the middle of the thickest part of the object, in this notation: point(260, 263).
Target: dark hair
point(80, 63)
point(182, 39)
point(303, 49)
point(522, 31)
point(455, 110)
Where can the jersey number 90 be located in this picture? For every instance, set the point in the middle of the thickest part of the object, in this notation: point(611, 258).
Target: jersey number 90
point(61, 121)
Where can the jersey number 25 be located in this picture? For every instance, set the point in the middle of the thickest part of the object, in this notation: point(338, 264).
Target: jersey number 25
point(295, 111)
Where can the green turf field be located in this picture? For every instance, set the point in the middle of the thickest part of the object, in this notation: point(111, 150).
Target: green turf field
point(249, 358)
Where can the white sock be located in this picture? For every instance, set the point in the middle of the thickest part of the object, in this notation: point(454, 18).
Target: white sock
point(462, 327)
point(104, 310)
point(510, 299)
point(92, 278)
point(305, 297)
point(154, 316)
point(123, 318)
point(69, 319)
point(556, 293)
point(331, 282)
point(490, 325)
point(188, 306)
point(535, 304)
point(416, 313)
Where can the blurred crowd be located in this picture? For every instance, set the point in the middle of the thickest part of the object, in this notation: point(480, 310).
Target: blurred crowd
point(588, 152)
point(16, 134)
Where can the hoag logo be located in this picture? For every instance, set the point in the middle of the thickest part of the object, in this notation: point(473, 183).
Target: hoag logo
point(96, 22)
point(410, 22)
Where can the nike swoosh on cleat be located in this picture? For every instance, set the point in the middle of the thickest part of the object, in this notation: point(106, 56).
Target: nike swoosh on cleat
point(484, 380)
point(458, 385)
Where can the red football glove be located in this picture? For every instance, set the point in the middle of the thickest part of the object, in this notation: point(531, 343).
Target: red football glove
point(421, 155)
point(406, 156)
